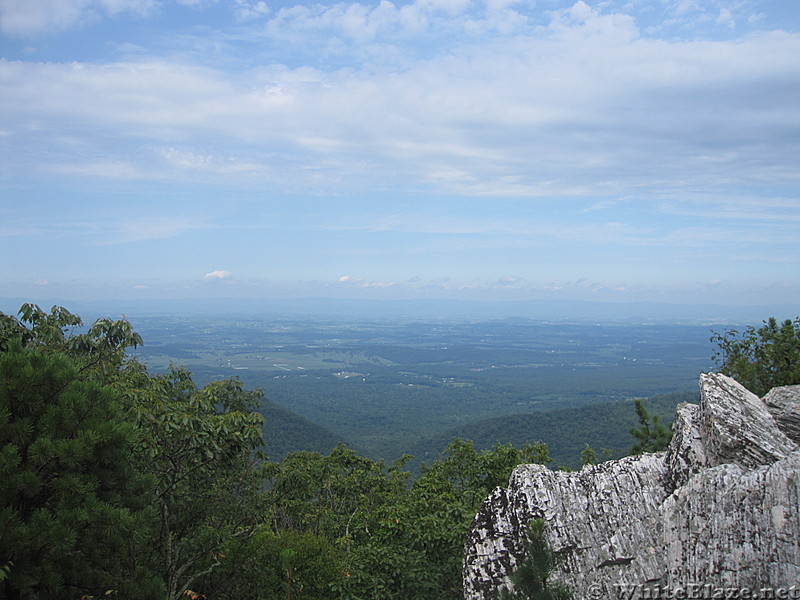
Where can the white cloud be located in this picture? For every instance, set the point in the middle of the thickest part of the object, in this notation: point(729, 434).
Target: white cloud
point(725, 18)
point(104, 169)
point(219, 274)
point(35, 17)
point(564, 103)
point(541, 116)
point(209, 164)
point(251, 9)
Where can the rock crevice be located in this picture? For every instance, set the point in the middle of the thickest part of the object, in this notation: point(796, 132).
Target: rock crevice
point(720, 507)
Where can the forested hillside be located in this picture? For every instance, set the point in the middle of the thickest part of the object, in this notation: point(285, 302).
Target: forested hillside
point(286, 431)
point(122, 483)
point(388, 386)
point(604, 427)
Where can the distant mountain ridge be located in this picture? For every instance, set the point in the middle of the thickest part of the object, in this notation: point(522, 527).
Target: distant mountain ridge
point(343, 308)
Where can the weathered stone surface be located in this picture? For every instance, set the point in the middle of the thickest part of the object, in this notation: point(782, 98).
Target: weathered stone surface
point(736, 425)
point(584, 522)
point(720, 507)
point(686, 455)
point(735, 528)
point(784, 405)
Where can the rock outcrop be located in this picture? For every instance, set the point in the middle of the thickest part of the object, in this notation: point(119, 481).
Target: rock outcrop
point(784, 404)
point(720, 508)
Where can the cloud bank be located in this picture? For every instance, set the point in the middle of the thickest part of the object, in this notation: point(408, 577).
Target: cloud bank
point(467, 144)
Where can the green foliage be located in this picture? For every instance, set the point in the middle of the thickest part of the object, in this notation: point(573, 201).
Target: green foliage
point(123, 483)
point(530, 577)
point(118, 480)
point(285, 432)
point(329, 495)
point(197, 444)
point(397, 537)
point(269, 566)
point(71, 501)
point(445, 498)
point(425, 381)
point(762, 358)
point(652, 435)
point(588, 455)
point(605, 427)
point(101, 348)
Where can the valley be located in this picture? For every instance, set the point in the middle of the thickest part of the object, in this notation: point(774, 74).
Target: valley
point(387, 387)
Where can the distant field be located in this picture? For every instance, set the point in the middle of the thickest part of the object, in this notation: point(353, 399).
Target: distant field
point(389, 386)
point(270, 360)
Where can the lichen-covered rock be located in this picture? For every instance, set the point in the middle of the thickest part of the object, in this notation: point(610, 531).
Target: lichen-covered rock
point(583, 520)
point(784, 405)
point(735, 528)
point(720, 507)
point(736, 426)
point(686, 455)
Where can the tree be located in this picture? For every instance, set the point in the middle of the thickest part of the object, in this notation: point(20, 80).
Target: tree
point(71, 502)
point(270, 566)
point(193, 451)
point(415, 547)
point(198, 446)
point(99, 350)
point(588, 455)
point(652, 436)
point(762, 358)
point(396, 537)
point(530, 579)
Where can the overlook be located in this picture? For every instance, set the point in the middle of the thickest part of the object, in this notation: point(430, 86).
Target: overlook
point(719, 508)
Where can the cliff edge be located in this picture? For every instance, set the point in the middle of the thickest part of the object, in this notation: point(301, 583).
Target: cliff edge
point(720, 508)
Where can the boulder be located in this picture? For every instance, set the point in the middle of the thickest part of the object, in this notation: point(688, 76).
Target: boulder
point(784, 404)
point(721, 507)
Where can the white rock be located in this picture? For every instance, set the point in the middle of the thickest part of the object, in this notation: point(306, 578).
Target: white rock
point(721, 507)
point(784, 404)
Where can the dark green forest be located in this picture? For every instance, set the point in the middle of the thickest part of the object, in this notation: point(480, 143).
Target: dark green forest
point(123, 483)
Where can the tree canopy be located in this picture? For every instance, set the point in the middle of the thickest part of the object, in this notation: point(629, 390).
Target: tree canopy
point(762, 358)
point(530, 579)
point(71, 496)
point(115, 481)
point(122, 483)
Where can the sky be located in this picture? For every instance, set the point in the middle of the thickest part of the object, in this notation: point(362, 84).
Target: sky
point(610, 150)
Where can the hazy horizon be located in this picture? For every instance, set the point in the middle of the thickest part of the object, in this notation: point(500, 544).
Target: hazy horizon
point(355, 309)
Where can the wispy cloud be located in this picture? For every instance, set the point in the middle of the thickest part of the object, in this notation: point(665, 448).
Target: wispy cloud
point(105, 169)
point(550, 112)
point(218, 274)
point(36, 17)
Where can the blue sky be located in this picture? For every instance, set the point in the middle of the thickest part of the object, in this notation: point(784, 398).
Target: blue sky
point(615, 150)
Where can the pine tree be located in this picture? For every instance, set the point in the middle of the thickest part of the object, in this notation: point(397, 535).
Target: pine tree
point(530, 578)
point(70, 500)
point(652, 436)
